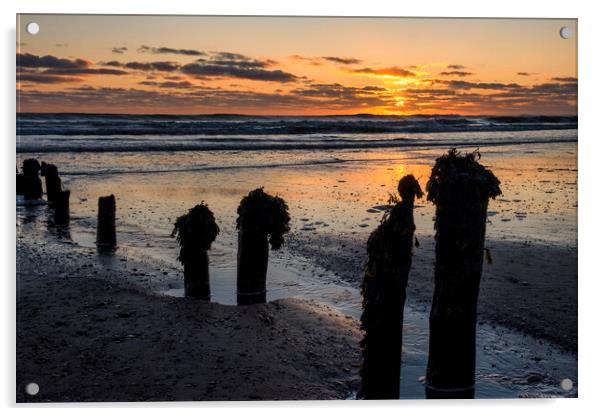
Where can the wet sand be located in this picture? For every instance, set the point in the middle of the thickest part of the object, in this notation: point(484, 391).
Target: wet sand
point(529, 287)
point(83, 337)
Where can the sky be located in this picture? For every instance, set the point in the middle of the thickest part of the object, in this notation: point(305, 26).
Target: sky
point(295, 65)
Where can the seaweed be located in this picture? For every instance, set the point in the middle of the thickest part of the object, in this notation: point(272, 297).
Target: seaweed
point(265, 214)
point(195, 231)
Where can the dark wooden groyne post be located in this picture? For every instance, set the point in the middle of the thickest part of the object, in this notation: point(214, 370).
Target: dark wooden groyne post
point(195, 231)
point(30, 182)
point(61, 207)
point(384, 294)
point(53, 181)
point(461, 188)
point(260, 216)
point(105, 229)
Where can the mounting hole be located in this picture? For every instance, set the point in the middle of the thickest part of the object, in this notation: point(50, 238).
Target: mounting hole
point(32, 28)
point(566, 32)
point(32, 389)
point(566, 384)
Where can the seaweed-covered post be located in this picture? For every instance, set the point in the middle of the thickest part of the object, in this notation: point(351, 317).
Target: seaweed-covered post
point(259, 215)
point(195, 231)
point(384, 293)
point(30, 182)
point(105, 228)
point(53, 181)
point(460, 187)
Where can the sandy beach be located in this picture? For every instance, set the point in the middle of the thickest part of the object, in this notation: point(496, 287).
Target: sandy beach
point(86, 336)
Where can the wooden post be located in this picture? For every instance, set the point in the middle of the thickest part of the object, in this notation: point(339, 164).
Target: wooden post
point(53, 181)
point(105, 229)
point(61, 207)
point(195, 232)
point(261, 218)
point(252, 259)
point(384, 294)
point(31, 183)
point(460, 187)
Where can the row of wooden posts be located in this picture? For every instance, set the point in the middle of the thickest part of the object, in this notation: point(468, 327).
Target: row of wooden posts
point(459, 186)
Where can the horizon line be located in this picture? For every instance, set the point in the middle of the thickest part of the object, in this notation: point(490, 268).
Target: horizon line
point(297, 115)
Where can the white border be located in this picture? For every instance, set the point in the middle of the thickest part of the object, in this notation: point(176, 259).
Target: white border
point(590, 202)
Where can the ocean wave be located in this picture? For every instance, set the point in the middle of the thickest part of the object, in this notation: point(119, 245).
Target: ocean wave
point(222, 125)
point(117, 146)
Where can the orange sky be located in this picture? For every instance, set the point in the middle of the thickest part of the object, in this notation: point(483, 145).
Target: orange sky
point(284, 65)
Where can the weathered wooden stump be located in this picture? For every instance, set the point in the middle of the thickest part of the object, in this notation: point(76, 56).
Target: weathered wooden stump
point(461, 188)
point(61, 207)
point(195, 232)
point(261, 218)
point(30, 182)
point(384, 294)
point(19, 184)
point(53, 181)
point(105, 229)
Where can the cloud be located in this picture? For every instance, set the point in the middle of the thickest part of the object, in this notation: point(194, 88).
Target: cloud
point(234, 65)
point(165, 50)
point(467, 85)
point(27, 60)
point(119, 49)
point(330, 97)
point(456, 73)
point(50, 69)
point(456, 66)
point(393, 71)
point(317, 61)
point(215, 65)
point(46, 79)
point(167, 84)
point(162, 66)
point(342, 60)
point(84, 71)
point(525, 74)
point(61, 45)
point(564, 79)
point(483, 98)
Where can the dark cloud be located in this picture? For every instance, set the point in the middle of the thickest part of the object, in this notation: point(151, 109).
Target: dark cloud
point(467, 85)
point(167, 84)
point(27, 60)
point(564, 79)
point(49, 69)
point(390, 71)
point(119, 49)
point(234, 65)
point(456, 73)
point(162, 66)
point(456, 66)
point(84, 71)
point(334, 97)
point(524, 74)
point(165, 50)
point(45, 79)
point(342, 60)
point(483, 98)
point(215, 65)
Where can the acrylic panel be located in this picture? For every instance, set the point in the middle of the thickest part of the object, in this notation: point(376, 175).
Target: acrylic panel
point(295, 208)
